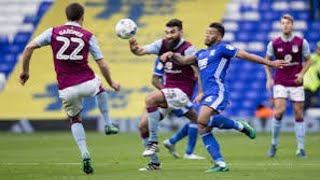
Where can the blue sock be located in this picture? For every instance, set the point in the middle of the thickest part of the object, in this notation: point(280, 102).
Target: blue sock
point(212, 146)
point(102, 99)
point(153, 121)
point(183, 132)
point(192, 138)
point(154, 158)
point(222, 122)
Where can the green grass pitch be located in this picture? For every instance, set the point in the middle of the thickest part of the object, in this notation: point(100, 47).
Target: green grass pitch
point(55, 156)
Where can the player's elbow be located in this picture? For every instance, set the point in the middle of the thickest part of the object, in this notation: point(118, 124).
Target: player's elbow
point(30, 48)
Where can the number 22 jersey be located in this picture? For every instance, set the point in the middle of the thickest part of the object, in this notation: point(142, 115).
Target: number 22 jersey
point(71, 46)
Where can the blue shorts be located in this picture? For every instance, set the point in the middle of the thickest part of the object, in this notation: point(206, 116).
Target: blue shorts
point(217, 102)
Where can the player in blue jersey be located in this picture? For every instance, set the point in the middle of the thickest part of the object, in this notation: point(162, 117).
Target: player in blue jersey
point(213, 63)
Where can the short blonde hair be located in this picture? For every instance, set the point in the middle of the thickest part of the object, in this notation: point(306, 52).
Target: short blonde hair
point(288, 17)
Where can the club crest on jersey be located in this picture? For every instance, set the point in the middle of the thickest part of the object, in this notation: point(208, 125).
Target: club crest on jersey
point(295, 48)
point(212, 52)
point(228, 46)
point(168, 65)
point(202, 63)
point(159, 66)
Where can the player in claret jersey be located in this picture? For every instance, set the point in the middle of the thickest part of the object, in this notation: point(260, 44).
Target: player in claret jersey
point(288, 82)
point(177, 91)
point(71, 45)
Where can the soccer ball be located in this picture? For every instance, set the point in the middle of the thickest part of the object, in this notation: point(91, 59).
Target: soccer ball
point(126, 28)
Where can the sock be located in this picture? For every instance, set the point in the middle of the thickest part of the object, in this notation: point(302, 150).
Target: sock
point(299, 128)
point(192, 138)
point(80, 138)
point(154, 158)
point(275, 130)
point(102, 100)
point(212, 146)
point(153, 121)
point(183, 132)
point(222, 122)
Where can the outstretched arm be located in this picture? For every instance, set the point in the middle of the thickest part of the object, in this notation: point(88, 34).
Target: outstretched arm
point(136, 48)
point(269, 75)
point(178, 58)
point(26, 56)
point(257, 59)
point(106, 74)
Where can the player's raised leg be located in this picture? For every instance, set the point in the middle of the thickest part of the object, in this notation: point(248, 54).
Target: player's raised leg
point(144, 133)
point(102, 100)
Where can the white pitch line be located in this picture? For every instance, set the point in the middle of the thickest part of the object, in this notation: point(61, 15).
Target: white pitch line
point(165, 163)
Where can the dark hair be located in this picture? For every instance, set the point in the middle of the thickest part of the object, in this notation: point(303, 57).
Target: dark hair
point(74, 11)
point(175, 23)
point(218, 26)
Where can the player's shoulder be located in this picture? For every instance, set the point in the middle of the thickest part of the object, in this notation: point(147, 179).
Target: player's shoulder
point(225, 46)
point(276, 40)
point(187, 42)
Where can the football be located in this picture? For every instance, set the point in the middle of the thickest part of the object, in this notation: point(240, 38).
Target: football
point(126, 28)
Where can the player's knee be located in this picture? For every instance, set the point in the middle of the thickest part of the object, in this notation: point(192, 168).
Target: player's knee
point(202, 128)
point(143, 128)
point(299, 117)
point(278, 114)
point(150, 101)
point(76, 119)
point(192, 115)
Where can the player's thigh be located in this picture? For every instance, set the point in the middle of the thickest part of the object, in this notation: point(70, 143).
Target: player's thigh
point(72, 106)
point(155, 98)
point(280, 92)
point(298, 109)
point(89, 88)
point(175, 98)
point(280, 105)
point(296, 94)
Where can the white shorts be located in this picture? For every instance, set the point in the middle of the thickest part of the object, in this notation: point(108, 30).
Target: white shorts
point(178, 101)
point(295, 94)
point(72, 96)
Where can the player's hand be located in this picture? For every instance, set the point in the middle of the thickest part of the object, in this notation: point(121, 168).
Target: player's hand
point(116, 86)
point(164, 57)
point(278, 63)
point(133, 44)
point(198, 99)
point(269, 84)
point(299, 78)
point(23, 78)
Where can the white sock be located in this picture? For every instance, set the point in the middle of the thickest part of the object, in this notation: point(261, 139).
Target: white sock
point(275, 130)
point(299, 128)
point(80, 138)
